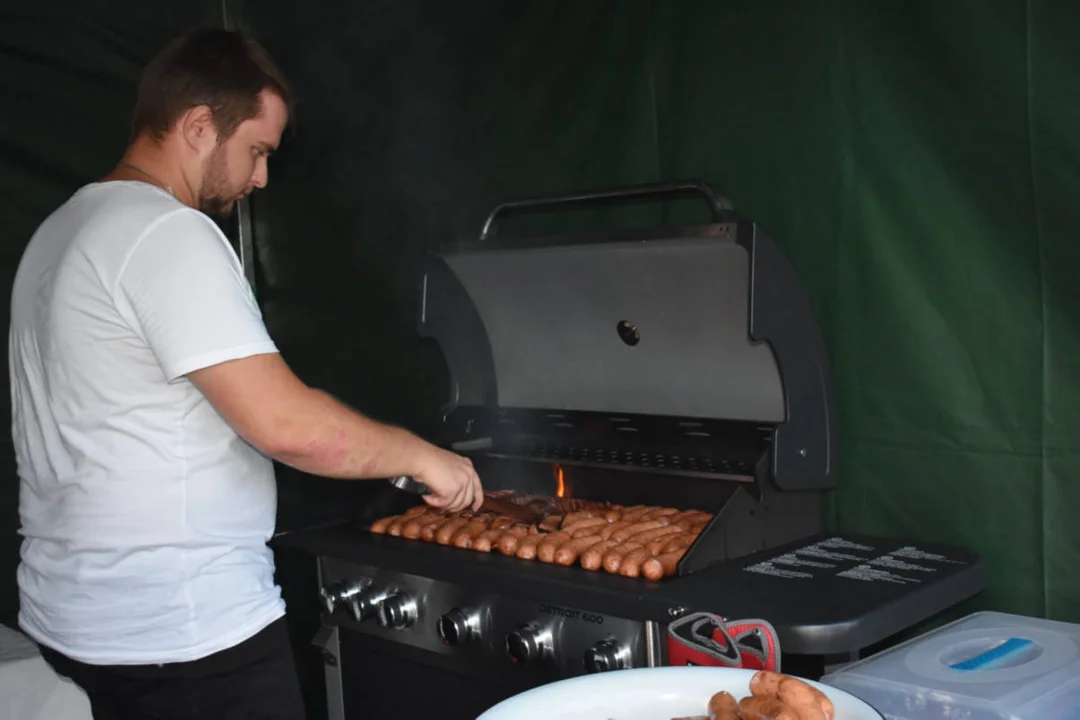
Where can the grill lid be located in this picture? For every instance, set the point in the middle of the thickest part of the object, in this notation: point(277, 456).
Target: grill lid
point(653, 327)
point(693, 324)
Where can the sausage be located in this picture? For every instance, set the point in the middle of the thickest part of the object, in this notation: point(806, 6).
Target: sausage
point(380, 526)
point(756, 707)
point(661, 566)
point(615, 513)
point(486, 540)
point(631, 562)
point(586, 527)
point(508, 541)
point(689, 514)
point(613, 557)
point(545, 550)
point(643, 534)
point(810, 702)
point(656, 546)
point(527, 546)
point(445, 532)
point(806, 712)
point(396, 526)
point(414, 524)
point(635, 512)
point(594, 555)
point(429, 528)
point(576, 517)
point(688, 525)
point(680, 542)
point(627, 532)
point(765, 683)
point(690, 519)
point(568, 552)
point(463, 538)
point(416, 510)
point(723, 706)
point(493, 530)
point(611, 528)
point(659, 513)
point(505, 542)
point(697, 529)
point(647, 536)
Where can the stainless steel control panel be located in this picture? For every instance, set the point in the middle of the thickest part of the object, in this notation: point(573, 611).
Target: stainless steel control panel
point(476, 628)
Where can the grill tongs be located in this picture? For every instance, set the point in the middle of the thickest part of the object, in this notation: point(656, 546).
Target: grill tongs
point(522, 513)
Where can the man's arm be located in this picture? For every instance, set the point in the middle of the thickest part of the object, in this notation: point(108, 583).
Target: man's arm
point(271, 408)
point(183, 290)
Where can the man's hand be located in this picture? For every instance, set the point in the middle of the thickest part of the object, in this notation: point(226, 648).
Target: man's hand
point(452, 482)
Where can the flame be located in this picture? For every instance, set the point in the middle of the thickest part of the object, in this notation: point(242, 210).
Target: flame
point(560, 490)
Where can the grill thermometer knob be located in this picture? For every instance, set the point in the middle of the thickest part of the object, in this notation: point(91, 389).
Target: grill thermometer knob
point(334, 595)
point(528, 644)
point(365, 604)
point(458, 627)
point(606, 655)
point(397, 612)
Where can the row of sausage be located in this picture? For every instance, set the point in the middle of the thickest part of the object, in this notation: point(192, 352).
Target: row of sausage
point(637, 541)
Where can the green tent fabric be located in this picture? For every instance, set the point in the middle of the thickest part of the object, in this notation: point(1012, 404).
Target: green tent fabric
point(917, 160)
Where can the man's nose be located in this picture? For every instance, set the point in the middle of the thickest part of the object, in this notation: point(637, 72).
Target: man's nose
point(260, 177)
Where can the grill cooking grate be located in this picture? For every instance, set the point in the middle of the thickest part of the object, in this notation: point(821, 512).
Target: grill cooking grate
point(711, 449)
point(631, 460)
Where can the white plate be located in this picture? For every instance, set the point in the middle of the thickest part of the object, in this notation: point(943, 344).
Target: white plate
point(648, 694)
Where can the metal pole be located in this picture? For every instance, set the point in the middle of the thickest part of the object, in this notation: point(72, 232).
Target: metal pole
point(245, 242)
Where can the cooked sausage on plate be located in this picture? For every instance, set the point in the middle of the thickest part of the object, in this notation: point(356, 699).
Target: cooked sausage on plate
point(773, 696)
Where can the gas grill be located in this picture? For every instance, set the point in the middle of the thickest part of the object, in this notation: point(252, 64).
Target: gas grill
point(676, 368)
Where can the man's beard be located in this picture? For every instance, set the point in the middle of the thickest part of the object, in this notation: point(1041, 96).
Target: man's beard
point(215, 197)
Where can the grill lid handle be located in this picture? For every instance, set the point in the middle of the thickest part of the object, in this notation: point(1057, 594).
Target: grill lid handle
point(653, 192)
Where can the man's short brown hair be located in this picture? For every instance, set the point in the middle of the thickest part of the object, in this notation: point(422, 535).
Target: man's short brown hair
point(223, 70)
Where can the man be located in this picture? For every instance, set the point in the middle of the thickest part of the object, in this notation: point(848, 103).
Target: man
point(148, 400)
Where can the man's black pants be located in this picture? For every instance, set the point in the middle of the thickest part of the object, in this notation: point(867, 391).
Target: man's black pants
point(255, 680)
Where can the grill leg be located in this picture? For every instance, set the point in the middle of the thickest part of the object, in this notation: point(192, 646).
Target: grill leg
point(327, 639)
point(654, 644)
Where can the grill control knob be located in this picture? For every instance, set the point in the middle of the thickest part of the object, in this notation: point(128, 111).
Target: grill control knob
point(528, 644)
point(458, 626)
point(397, 611)
point(365, 604)
point(606, 655)
point(337, 594)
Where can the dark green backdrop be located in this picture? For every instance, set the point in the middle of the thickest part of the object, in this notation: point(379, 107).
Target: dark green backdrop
point(918, 161)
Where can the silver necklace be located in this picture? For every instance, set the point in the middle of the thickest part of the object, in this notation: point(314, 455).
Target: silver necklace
point(138, 169)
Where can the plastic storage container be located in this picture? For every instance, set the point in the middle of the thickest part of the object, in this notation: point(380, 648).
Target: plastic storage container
point(987, 666)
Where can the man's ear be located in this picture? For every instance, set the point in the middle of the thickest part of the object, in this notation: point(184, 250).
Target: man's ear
point(197, 129)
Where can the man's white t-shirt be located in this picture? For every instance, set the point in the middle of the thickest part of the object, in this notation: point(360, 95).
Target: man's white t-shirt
point(145, 516)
